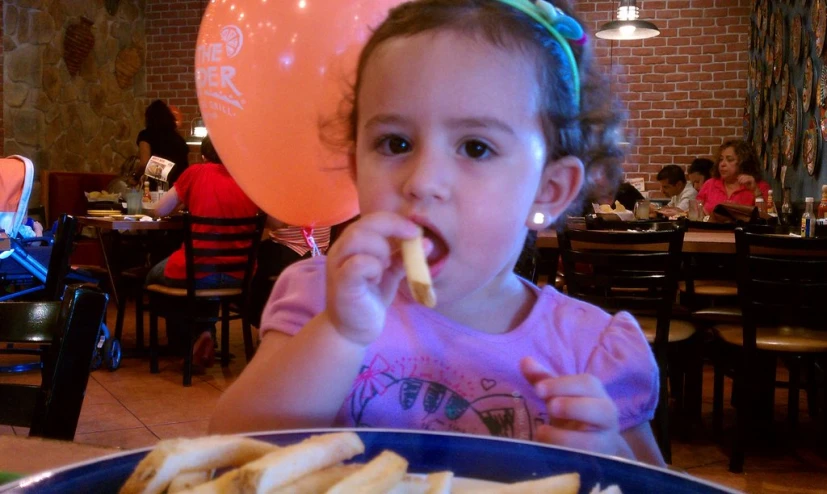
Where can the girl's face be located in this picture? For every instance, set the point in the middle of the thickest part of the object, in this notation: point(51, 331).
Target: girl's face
point(449, 135)
point(696, 179)
point(728, 165)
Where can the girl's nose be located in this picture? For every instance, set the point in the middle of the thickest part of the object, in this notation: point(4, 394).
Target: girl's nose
point(428, 178)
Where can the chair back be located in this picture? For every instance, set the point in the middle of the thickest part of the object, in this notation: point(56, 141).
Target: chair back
point(70, 329)
point(59, 265)
point(782, 280)
point(632, 271)
point(221, 245)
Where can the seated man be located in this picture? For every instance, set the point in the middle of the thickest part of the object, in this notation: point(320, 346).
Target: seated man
point(673, 184)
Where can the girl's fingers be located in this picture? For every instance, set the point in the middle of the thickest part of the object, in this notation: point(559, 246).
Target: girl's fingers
point(577, 385)
point(594, 413)
point(359, 268)
point(533, 371)
point(373, 235)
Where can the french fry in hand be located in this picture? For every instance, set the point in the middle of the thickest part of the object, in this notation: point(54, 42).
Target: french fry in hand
point(286, 465)
point(377, 477)
point(169, 458)
point(416, 269)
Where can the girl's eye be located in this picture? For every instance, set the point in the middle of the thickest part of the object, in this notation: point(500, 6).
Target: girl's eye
point(391, 145)
point(475, 149)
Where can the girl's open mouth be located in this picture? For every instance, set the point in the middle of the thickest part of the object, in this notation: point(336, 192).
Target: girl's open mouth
point(440, 250)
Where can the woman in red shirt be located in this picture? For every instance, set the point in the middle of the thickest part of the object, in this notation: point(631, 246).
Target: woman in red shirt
point(736, 178)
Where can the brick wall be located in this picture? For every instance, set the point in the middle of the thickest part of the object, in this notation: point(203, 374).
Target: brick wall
point(684, 89)
point(171, 34)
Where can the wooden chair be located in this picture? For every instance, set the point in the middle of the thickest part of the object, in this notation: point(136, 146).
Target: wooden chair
point(635, 272)
point(69, 332)
point(782, 286)
point(233, 243)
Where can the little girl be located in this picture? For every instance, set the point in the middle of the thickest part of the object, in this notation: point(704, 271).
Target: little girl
point(471, 119)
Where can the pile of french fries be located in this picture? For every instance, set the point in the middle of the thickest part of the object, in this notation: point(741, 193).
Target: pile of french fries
point(314, 465)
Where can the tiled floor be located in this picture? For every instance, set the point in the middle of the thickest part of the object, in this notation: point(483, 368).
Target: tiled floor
point(132, 408)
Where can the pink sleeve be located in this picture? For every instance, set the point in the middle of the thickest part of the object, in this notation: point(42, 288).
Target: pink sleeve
point(624, 362)
point(299, 294)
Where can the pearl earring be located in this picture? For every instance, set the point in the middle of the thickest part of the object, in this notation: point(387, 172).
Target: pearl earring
point(540, 219)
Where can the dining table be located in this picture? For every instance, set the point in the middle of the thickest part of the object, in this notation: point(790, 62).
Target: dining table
point(694, 241)
point(118, 224)
point(21, 455)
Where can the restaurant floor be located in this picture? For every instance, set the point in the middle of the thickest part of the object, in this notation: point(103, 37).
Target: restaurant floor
point(131, 408)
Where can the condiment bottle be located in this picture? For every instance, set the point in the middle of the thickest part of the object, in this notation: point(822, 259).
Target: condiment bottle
point(759, 203)
point(808, 222)
point(147, 196)
point(771, 211)
point(822, 206)
point(786, 208)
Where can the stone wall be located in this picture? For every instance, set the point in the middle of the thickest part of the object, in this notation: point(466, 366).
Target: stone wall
point(86, 122)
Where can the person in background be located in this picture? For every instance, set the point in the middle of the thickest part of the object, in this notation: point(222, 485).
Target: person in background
point(475, 139)
point(735, 179)
point(699, 172)
point(673, 184)
point(161, 138)
point(205, 190)
point(628, 195)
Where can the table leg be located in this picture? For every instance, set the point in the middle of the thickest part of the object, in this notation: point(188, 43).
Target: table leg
point(108, 267)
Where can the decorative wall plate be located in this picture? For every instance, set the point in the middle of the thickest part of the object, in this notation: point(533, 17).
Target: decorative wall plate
point(774, 156)
point(809, 153)
point(821, 100)
point(819, 20)
point(791, 128)
point(766, 125)
point(822, 113)
point(773, 105)
point(746, 118)
point(807, 88)
point(795, 38)
point(784, 88)
point(805, 43)
point(778, 48)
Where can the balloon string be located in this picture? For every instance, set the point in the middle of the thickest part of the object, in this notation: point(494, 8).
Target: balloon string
point(311, 242)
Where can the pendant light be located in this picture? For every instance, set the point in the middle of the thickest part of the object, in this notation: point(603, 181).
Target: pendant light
point(627, 26)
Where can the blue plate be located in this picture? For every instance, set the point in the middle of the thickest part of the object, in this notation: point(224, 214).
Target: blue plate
point(486, 458)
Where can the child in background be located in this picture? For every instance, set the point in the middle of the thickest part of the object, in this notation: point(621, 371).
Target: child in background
point(699, 172)
point(472, 121)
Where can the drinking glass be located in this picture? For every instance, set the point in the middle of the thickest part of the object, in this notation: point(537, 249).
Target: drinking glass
point(696, 210)
point(642, 209)
point(133, 202)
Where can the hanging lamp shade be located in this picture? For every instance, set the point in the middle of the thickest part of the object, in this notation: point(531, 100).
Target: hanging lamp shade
point(627, 26)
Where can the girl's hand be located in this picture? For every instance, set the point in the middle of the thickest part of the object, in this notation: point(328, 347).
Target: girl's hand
point(364, 268)
point(747, 181)
point(581, 413)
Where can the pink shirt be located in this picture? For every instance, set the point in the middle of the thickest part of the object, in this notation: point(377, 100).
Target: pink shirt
point(713, 192)
point(428, 372)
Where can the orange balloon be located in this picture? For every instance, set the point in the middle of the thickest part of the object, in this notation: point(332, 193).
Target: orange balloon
point(267, 74)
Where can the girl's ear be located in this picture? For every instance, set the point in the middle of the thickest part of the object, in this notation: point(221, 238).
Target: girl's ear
point(560, 183)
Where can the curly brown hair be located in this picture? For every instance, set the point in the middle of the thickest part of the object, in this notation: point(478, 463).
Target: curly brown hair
point(590, 132)
point(747, 159)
